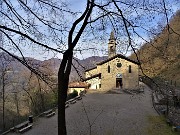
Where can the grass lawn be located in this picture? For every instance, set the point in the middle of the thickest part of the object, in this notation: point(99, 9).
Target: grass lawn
point(158, 126)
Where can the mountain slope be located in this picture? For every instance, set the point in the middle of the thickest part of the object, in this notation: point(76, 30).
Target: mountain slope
point(50, 66)
point(161, 57)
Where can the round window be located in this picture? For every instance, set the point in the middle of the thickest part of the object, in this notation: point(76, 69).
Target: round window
point(119, 65)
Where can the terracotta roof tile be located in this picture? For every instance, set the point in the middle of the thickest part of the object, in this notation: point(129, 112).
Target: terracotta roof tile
point(90, 69)
point(78, 85)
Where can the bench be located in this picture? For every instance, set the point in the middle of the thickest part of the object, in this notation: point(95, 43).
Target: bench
point(67, 105)
point(23, 127)
point(176, 128)
point(67, 102)
point(72, 101)
point(49, 113)
point(78, 98)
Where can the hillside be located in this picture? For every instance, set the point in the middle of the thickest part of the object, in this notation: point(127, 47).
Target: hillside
point(49, 67)
point(161, 57)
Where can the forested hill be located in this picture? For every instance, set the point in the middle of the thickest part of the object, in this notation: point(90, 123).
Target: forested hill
point(161, 57)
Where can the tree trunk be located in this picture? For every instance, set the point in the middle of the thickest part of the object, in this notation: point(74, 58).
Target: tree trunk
point(3, 94)
point(63, 80)
point(65, 67)
point(41, 97)
point(61, 111)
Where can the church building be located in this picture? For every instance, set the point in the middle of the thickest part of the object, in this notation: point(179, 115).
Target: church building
point(116, 72)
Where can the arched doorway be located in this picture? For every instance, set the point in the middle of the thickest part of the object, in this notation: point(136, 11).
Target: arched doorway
point(119, 82)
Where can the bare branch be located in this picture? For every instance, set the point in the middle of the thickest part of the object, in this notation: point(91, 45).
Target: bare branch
point(28, 37)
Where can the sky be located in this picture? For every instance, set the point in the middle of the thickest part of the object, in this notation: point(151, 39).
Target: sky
point(79, 6)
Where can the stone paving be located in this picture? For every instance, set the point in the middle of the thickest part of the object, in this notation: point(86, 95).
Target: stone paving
point(108, 114)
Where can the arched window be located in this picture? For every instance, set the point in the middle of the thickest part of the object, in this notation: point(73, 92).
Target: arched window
point(111, 49)
point(109, 69)
point(130, 69)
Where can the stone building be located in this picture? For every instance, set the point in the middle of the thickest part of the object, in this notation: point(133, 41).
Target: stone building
point(116, 72)
point(77, 86)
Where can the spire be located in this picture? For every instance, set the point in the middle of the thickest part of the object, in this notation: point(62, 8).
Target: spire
point(112, 36)
point(112, 45)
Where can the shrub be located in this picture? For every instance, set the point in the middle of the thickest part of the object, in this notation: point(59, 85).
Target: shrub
point(72, 95)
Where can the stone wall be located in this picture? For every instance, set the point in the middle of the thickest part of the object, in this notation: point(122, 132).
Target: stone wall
point(91, 72)
point(129, 80)
point(95, 83)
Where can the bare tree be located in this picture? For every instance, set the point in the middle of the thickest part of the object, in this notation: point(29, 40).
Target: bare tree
point(45, 25)
point(5, 68)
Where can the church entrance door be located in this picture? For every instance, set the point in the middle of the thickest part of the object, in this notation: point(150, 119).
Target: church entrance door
point(119, 83)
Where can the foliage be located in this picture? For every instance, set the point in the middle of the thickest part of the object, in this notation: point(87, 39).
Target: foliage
point(11, 119)
point(51, 100)
point(178, 56)
point(157, 126)
point(72, 95)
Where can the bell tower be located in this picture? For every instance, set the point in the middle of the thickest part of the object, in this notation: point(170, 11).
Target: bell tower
point(112, 46)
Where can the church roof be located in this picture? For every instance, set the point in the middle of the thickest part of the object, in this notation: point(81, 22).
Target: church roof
point(93, 76)
point(90, 69)
point(116, 56)
point(78, 85)
point(119, 56)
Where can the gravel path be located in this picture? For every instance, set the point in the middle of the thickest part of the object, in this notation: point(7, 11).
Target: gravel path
point(108, 114)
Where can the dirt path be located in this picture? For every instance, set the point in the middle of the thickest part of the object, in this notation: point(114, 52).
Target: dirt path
point(108, 114)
